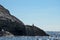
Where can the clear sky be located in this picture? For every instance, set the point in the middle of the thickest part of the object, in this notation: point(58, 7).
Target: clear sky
point(45, 14)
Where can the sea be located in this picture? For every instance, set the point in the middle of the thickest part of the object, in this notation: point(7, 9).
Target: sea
point(53, 36)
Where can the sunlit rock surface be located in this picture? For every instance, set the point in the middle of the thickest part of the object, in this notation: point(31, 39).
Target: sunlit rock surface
point(15, 26)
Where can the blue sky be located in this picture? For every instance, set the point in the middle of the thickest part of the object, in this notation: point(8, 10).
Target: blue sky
point(43, 13)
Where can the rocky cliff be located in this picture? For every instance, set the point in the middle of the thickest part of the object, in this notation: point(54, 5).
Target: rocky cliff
point(35, 31)
point(10, 23)
point(15, 26)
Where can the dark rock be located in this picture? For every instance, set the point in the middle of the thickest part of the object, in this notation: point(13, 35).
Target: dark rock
point(35, 31)
point(11, 23)
point(16, 27)
point(5, 33)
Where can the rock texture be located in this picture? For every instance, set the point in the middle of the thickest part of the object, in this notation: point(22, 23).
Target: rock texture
point(5, 33)
point(10, 23)
point(35, 31)
point(16, 27)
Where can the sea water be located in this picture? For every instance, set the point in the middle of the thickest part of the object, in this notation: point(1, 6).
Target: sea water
point(53, 36)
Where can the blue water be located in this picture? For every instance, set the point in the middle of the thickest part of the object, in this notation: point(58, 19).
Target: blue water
point(53, 36)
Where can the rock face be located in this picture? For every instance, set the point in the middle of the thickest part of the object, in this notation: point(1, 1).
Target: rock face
point(11, 23)
point(15, 26)
point(5, 33)
point(35, 31)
